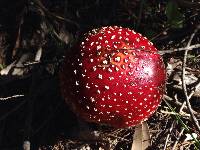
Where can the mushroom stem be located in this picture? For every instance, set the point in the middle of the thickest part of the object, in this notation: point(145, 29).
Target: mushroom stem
point(141, 137)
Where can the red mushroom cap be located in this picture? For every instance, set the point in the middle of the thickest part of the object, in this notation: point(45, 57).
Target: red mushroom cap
point(114, 76)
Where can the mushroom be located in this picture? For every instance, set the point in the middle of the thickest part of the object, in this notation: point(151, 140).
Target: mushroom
point(113, 76)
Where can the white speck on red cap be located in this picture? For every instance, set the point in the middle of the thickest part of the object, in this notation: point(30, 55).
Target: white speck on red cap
point(106, 87)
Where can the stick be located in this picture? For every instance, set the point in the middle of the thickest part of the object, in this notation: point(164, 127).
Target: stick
point(194, 119)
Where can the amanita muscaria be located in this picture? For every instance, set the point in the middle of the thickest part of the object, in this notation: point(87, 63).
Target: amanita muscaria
point(113, 76)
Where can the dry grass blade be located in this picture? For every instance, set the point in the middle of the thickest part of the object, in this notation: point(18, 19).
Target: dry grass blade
point(141, 137)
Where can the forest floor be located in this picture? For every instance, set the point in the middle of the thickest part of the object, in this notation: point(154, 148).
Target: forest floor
point(34, 36)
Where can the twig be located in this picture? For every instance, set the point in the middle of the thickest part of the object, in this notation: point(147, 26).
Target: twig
point(178, 138)
point(170, 130)
point(187, 98)
point(185, 92)
point(168, 135)
point(194, 90)
point(190, 47)
point(183, 105)
point(179, 104)
point(38, 54)
point(174, 113)
point(10, 97)
point(178, 118)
